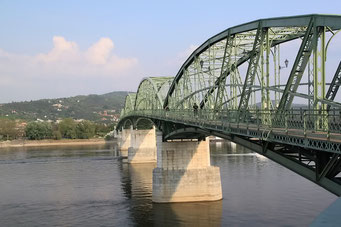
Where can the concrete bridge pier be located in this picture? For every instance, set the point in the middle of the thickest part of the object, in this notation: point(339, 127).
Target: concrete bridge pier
point(143, 146)
point(125, 141)
point(184, 173)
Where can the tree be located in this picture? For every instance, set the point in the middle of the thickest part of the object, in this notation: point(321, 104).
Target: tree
point(57, 135)
point(102, 129)
point(38, 130)
point(55, 132)
point(67, 128)
point(8, 129)
point(85, 130)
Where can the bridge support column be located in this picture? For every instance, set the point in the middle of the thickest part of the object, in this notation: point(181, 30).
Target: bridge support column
point(124, 141)
point(119, 136)
point(143, 146)
point(184, 173)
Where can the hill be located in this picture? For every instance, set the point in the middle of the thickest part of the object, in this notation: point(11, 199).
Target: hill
point(99, 108)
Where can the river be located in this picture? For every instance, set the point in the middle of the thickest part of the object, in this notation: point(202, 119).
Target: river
point(91, 186)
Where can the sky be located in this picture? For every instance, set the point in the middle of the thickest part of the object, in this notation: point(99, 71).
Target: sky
point(52, 49)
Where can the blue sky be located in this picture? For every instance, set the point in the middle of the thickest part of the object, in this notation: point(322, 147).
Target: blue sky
point(60, 48)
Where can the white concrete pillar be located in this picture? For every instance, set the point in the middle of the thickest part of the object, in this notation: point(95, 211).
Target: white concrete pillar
point(143, 146)
point(184, 173)
point(125, 141)
point(119, 138)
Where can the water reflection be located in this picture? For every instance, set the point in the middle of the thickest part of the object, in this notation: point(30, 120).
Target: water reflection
point(42, 153)
point(61, 187)
point(136, 182)
point(193, 214)
point(92, 186)
point(227, 147)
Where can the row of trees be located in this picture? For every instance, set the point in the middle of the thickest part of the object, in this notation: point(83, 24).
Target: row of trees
point(67, 128)
point(10, 129)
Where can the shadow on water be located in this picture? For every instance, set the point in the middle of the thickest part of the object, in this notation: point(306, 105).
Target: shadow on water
point(193, 214)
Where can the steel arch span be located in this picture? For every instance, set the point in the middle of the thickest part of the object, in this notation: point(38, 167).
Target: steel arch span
point(151, 93)
point(285, 108)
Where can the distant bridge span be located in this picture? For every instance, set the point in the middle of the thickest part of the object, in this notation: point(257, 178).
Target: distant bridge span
point(288, 111)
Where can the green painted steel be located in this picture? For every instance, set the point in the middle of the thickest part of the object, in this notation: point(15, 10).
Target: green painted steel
point(335, 84)
point(129, 104)
point(151, 93)
point(234, 79)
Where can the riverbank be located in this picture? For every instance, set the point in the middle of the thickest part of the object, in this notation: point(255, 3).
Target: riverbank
point(63, 142)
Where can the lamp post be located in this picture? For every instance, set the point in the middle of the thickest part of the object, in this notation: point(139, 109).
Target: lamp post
point(286, 62)
point(278, 79)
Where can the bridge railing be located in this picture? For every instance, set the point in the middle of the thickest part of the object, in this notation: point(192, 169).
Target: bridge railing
point(308, 121)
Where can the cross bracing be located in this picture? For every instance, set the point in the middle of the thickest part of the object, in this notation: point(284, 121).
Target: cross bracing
point(246, 92)
point(151, 93)
point(129, 103)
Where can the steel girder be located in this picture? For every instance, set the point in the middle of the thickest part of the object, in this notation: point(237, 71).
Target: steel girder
point(216, 59)
point(232, 71)
point(320, 168)
point(336, 83)
point(315, 159)
point(151, 93)
point(221, 62)
point(241, 54)
point(129, 103)
point(252, 68)
point(298, 22)
point(297, 71)
point(203, 77)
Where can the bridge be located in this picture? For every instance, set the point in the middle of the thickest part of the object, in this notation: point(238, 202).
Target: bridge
point(238, 86)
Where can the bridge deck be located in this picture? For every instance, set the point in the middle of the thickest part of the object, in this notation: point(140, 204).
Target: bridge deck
point(308, 138)
point(231, 86)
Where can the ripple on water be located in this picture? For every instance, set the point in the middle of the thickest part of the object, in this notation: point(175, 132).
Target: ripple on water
point(89, 186)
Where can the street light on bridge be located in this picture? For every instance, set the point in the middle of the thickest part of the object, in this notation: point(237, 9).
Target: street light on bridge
point(286, 62)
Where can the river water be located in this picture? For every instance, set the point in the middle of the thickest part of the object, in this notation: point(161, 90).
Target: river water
point(91, 186)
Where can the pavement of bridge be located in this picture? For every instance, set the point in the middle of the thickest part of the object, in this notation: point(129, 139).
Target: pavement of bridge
point(314, 135)
point(256, 128)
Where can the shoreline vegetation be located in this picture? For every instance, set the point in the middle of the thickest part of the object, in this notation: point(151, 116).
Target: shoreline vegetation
point(52, 142)
point(68, 131)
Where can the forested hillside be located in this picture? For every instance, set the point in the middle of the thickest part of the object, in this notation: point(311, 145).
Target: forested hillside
point(98, 108)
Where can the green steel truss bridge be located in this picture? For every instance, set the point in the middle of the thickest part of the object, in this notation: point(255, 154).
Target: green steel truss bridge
point(287, 112)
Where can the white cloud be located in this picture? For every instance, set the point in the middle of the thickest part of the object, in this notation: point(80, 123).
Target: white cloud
point(65, 58)
point(48, 74)
point(62, 51)
point(100, 51)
